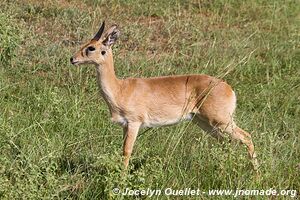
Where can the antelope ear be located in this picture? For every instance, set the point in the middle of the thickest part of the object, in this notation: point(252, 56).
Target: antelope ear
point(99, 33)
point(111, 36)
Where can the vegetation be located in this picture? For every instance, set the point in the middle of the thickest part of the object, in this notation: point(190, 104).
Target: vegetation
point(56, 137)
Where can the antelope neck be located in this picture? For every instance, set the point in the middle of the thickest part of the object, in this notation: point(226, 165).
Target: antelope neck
point(108, 83)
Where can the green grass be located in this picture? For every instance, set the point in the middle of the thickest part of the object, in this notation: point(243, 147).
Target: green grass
point(56, 139)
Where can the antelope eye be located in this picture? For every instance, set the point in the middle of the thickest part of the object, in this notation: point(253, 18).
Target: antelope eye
point(90, 48)
point(103, 52)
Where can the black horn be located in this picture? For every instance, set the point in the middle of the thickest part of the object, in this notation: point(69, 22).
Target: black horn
point(99, 33)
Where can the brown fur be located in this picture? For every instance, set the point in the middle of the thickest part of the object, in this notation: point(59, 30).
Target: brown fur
point(159, 101)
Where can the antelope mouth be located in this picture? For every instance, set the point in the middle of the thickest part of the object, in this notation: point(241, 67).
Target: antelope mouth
point(73, 61)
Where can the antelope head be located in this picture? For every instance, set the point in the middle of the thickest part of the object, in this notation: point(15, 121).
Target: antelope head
point(98, 50)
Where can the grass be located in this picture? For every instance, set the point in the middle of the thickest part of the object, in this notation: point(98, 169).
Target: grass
point(56, 139)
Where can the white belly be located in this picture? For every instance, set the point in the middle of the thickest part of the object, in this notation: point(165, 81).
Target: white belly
point(119, 120)
point(165, 122)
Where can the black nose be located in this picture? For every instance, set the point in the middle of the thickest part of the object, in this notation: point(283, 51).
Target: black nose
point(71, 60)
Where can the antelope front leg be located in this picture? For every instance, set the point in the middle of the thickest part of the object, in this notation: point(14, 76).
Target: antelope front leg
point(130, 134)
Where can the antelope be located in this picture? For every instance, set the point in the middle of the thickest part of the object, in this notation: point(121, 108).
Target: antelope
point(159, 101)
